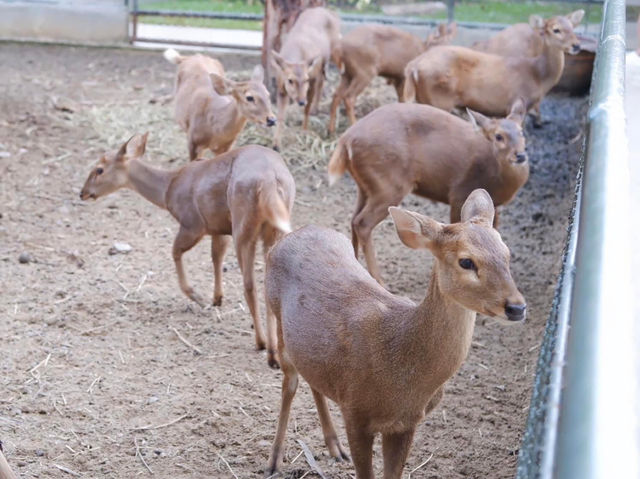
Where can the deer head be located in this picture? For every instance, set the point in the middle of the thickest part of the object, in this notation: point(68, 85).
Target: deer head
point(111, 173)
point(251, 96)
point(295, 76)
point(472, 262)
point(443, 36)
point(505, 134)
point(558, 31)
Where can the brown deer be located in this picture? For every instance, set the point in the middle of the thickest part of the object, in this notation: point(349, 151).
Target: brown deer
point(383, 359)
point(299, 66)
point(448, 77)
point(247, 193)
point(213, 109)
point(372, 50)
point(522, 39)
point(407, 148)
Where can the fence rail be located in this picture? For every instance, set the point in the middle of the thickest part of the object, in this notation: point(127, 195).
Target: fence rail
point(583, 418)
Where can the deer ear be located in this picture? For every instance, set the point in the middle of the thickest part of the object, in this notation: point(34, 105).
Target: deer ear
point(478, 120)
point(415, 230)
point(453, 29)
point(479, 207)
point(518, 111)
point(257, 75)
point(315, 66)
point(536, 22)
point(136, 146)
point(576, 17)
point(222, 86)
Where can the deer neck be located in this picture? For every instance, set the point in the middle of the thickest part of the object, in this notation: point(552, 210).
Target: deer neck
point(438, 331)
point(549, 65)
point(151, 183)
point(228, 119)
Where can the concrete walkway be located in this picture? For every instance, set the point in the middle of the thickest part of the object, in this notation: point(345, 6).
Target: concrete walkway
point(220, 36)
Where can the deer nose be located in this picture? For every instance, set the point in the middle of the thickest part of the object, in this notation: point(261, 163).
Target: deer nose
point(271, 121)
point(302, 102)
point(575, 48)
point(521, 157)
point(515, 312)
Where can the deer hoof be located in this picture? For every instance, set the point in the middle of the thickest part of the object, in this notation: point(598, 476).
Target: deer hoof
point(272, 360)
point(217, 301)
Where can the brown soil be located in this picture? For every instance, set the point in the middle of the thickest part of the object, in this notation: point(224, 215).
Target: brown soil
point(94, 379)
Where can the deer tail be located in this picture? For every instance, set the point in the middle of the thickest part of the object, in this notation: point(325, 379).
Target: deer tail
point(338, 161)
point(172, 56)
point(275, 209)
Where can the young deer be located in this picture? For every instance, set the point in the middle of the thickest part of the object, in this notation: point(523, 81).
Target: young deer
point(372, 50)
point(383, 359)
point(406, 148)
point(299, 67)
point(522, 39)
point(448, 77)
point(247, 193)
point(212, 109)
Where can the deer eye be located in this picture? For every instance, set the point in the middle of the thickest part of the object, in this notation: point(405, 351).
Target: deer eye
point(290, 81)
point(499, 137)
point(556, 30)
point(99, 171)
point(250, 99)
point(466, 263)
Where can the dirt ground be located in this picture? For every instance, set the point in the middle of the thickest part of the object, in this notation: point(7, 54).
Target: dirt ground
point(94, 380)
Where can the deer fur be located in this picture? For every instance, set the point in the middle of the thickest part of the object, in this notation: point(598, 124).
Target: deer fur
point(407, 148)
point(448, 77)
point(5, 469)
point(383, 359)
point(522, 39)
point(246, 193)
point(299, 66)
point(213, 109)
point(372, 50)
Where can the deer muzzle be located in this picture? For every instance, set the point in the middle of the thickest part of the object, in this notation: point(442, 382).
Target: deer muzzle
point(515, 312)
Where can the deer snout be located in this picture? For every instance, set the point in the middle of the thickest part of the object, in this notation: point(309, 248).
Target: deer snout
point(521, 157)
point(575, 48)
point(515, 312)
point(302, 102)
point(271, 121)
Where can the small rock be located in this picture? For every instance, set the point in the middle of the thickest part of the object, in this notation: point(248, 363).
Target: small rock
point(25, 258)
point(4, 154)
point(152, 399)
point(120, 248)
point(40, 453)
point(65, 104)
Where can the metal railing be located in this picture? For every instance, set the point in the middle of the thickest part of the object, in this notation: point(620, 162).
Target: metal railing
point(583, 420)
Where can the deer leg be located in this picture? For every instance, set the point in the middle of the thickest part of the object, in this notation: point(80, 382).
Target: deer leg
point(537, 116)
point(269, 237)
point(368, 218)
point(338, 96)
point(184, 241)
point(395, 449)
point(357, 85)
point(359, 205)
point(329, 432)
point(399, 86)
point(310, 99)
point(193, 150)
point(361, 446)
point(246, 251)
point(282, 102)
point(317, 95)
point(219, 244)
point(434, 401)
point(289, 388)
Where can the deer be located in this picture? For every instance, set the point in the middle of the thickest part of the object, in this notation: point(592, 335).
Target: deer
point(448, 77)
point(5, 469)
point(382, 358)
point(213, 109)
point(522, 39)
point(407, 148)
point(299, 66)
point(245, 194)
point(378, 50)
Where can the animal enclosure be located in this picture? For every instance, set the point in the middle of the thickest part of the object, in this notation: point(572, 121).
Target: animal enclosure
point(107, 370)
